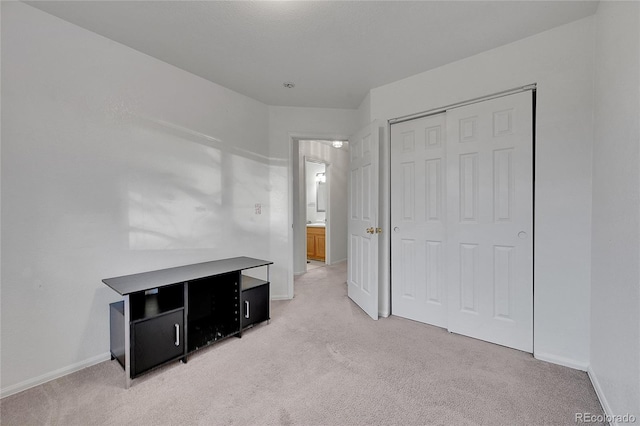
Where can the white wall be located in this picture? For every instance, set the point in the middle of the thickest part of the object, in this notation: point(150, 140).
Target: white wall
point(560, 61)
point(364, 112)
point(112, 163)
point(285, 125)
point(615, 288)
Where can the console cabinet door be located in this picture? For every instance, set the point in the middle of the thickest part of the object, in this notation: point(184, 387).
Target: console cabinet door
point(156, 340)
point(255, 305)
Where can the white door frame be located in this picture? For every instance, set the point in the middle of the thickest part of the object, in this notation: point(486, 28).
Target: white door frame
point(293, 141)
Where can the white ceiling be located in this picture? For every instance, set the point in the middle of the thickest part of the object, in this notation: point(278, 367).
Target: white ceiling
point(335, 52)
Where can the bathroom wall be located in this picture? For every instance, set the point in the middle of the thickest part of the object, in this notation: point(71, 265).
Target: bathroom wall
point(311, 171)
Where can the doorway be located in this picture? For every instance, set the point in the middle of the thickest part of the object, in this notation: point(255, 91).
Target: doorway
point(316, 197)
point(333, 153)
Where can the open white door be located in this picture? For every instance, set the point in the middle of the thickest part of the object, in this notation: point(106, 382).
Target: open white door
point(362, 276)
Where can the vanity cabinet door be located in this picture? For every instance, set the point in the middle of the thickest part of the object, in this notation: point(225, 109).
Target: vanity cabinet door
point(311, 245)
point(320, 246)
point(316, 243)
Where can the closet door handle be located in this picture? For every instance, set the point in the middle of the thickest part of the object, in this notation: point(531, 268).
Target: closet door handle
point(177, 342)
point(246, 311)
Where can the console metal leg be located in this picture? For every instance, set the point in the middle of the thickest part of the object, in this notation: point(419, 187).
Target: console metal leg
point(269, 297)
point(127, 342)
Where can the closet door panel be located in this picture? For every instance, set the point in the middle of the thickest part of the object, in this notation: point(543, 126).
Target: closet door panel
point(417, 215)
point(489, 224)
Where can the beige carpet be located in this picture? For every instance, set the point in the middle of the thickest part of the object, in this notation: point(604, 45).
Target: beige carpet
point(321, 361)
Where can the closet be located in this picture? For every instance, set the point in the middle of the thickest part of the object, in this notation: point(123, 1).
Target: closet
point(462, 220)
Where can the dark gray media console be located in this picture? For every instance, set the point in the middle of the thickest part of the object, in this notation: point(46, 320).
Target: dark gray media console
point(170, 313)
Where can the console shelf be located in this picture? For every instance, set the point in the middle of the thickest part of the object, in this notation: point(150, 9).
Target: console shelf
point(168, 314)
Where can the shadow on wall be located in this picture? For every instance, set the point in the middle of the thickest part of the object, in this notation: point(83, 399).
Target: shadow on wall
point(191, 191)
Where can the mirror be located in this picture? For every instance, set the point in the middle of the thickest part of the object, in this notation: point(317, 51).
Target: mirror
point(321, 197)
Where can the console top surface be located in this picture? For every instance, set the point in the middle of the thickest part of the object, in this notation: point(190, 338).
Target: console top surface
point(127, 284)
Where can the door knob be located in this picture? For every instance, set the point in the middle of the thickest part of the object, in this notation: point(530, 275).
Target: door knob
point(396, 229)
point(378, 230)
point(522, 235)
point(370, 230)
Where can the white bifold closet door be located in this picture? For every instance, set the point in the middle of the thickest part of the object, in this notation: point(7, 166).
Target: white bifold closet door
point(418, 239)
point(462, 218)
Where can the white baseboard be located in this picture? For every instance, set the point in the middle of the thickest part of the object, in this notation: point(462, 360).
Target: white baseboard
point(47, 377)
point(603, 400)
point(383, 314)
point(280, 297)
point(566, 362)
point(335, 262)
